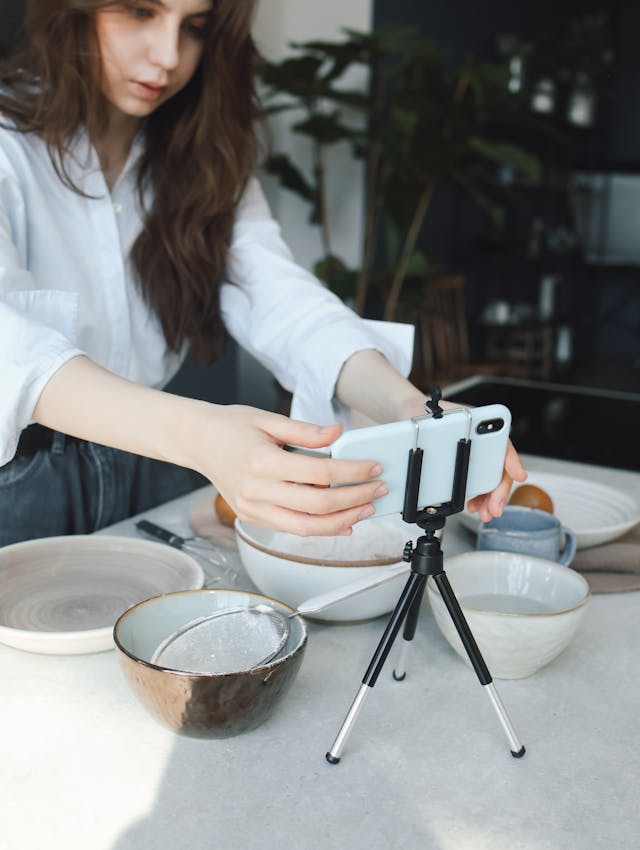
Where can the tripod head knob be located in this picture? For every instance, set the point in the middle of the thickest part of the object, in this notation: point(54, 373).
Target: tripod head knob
point(430, 524)
point(433, 405)
point(407, 552)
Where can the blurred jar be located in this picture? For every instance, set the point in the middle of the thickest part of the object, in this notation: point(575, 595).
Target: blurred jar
point(564, 346)
point(543, 97)
point(581, 105)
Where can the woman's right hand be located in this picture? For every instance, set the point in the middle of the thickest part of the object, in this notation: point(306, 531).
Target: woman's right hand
point(239, 449)
point(241, 452)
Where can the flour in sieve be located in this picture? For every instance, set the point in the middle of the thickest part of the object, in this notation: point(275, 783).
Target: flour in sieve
point(229, 643)
point(371, 540)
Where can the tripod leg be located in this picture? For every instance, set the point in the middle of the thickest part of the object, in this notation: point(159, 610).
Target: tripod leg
point(475, 656)
point(408, 633)
point(415, 584)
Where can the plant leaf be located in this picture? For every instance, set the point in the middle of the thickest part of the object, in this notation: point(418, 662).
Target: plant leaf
point(527, 164)
point(325, 128)
point(494, 210)
point(337, 275)
point(289, 176)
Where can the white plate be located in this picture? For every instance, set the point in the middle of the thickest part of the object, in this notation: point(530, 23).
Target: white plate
point(62, 595)
point(595, 512)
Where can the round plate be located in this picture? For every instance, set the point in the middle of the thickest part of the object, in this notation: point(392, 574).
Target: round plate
point(62, 595)
point(596, 513)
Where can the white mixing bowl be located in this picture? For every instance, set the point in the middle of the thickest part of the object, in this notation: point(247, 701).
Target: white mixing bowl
point(294, 578)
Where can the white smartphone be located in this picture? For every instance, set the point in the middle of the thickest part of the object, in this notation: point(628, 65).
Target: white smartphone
point(486, 427)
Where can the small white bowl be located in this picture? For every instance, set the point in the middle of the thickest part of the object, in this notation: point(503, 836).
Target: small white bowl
point(523, 611)
point(294, 578)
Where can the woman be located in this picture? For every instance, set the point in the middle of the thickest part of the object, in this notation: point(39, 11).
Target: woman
point(131, 229)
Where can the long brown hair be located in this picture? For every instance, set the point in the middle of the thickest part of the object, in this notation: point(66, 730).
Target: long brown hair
point(200, 151)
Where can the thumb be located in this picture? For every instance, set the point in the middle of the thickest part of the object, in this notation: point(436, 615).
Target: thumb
point(513, 464)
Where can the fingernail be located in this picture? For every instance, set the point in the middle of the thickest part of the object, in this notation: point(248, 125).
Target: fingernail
point(381, 490)
point(366, 512)
point(325, 429)
point(375, 471)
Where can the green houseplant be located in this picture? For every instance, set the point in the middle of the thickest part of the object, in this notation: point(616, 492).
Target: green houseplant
point(421, 121)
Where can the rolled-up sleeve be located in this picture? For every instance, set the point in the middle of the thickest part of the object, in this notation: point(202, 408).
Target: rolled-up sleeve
point(37, 326)
point(290, 322)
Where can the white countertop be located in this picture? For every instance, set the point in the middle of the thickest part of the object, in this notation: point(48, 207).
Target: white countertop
point(84, 767)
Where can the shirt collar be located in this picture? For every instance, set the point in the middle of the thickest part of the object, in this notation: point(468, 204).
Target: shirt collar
point(84, 164)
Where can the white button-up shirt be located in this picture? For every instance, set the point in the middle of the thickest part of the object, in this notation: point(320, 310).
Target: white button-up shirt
point(67, 288)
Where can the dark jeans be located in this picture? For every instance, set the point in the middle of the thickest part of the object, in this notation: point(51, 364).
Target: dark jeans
point(77, 487)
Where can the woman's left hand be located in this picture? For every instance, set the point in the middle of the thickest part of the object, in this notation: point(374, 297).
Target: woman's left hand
point(487, 505)
point(370, 385)
point(492, 504)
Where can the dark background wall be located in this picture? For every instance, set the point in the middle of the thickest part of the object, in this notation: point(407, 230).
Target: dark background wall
point(467, 27)
point(602, 302)
point(11, 14)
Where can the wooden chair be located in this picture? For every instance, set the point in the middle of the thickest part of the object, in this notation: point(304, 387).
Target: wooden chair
point(529, 350)
point(442, 345)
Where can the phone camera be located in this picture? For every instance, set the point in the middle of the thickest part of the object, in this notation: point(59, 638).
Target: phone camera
point(489, 426)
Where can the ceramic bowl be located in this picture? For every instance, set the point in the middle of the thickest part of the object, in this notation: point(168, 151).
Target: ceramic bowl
point(202, 705)
point(294, 578)
point(523, 611)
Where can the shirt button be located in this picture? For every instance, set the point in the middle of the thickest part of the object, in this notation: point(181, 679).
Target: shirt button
point(117, 208)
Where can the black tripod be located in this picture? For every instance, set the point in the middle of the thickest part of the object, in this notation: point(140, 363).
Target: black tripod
point(426, 559)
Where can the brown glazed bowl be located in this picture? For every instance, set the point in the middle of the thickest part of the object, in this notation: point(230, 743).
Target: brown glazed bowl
point(203, 705)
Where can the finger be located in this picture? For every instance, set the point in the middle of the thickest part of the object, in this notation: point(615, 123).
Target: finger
point(513, 464)
point(306, 525)
point(473, 505)
point(497, 499)
point(489, 505)
point(483, 509)
point(478, 505)
point(324, 471)
point(311, 500)
point(294, 432)
point(513, 469)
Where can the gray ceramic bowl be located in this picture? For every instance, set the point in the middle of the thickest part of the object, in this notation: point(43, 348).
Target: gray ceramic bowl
point(523, 611)
point(202, 705)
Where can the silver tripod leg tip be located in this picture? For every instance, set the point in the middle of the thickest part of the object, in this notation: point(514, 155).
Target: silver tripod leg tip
point(400, 670)
point(333, 756)
point(517, 748)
